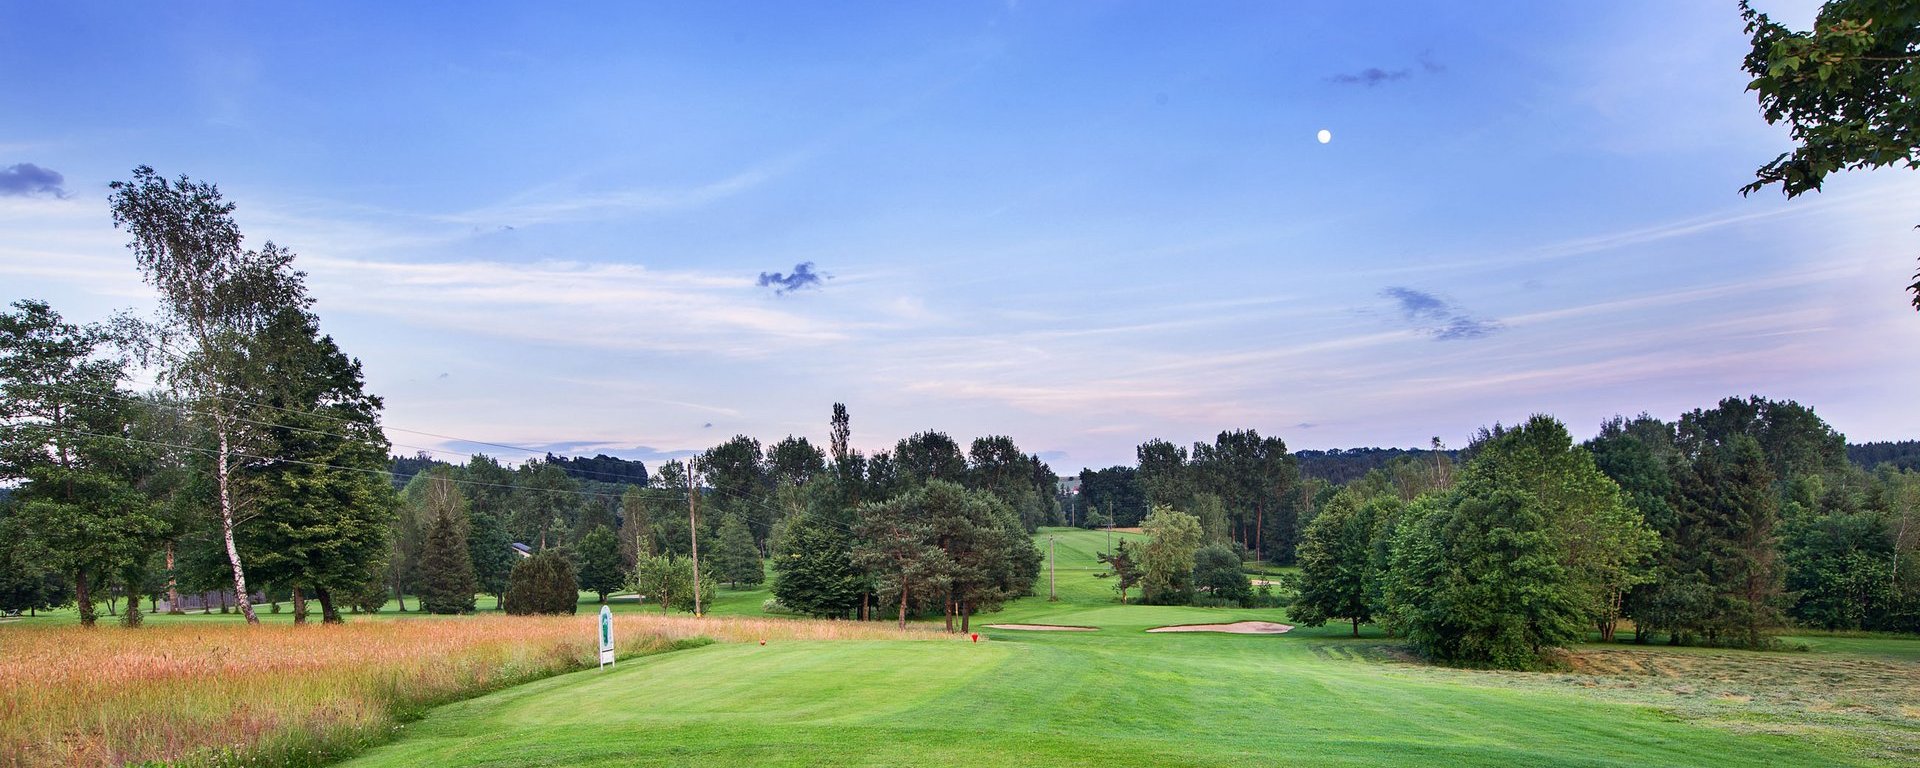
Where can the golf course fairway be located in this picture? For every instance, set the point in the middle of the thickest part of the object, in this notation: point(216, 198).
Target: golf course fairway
point(1122, 696)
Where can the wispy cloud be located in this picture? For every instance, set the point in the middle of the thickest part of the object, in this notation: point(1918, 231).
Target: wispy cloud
point(801, 277)
point(606, 306)
point(27, 179)
point(554, 203)
point(1437, 317)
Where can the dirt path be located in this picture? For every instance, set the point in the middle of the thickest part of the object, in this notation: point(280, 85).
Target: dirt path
point(1236, 628)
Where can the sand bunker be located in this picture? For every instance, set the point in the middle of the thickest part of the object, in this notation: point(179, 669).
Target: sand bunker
point(1237, 628)
point(1043, 627)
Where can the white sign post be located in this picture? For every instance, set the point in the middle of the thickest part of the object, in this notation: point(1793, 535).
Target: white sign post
point(606, 637)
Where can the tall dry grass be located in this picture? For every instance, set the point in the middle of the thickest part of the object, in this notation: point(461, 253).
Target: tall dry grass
point(286, 695)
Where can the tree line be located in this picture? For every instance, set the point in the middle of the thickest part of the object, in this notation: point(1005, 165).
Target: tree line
point(1720, 528)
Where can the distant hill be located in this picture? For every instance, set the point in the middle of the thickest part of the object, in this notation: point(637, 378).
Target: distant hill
point(405, 467)
point(602, 469)
point(1345, 465)
point(1904, 454)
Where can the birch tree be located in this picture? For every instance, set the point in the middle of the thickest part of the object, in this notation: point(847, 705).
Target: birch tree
point(215, 298)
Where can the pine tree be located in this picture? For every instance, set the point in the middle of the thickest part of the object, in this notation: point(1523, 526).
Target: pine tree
point(735, 559)
point(814, 571)
point(1122, 568)
point(446, 576)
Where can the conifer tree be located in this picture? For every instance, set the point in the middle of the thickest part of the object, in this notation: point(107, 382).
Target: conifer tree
point(735, 559)
point(447, 584)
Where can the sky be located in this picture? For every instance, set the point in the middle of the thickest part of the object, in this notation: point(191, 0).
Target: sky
point(641, 229)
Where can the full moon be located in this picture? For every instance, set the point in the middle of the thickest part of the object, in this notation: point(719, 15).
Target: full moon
point(1325, 136)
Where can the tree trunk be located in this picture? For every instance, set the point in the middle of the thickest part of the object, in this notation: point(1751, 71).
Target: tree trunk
point(966, 616)
point(1356, 626)
point(1259, 517)
point(132, 618)
point(328, 613)
point(903, 608)
point(173, 584)
point(299, 607)
point(949, 610)
point(223, 601)
point(112, 602)
point(226, 529)
point(82, 598)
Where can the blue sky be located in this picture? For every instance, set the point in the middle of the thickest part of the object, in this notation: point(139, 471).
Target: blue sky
point(1079, 224)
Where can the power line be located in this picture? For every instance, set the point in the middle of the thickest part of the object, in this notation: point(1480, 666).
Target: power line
point(308, 430)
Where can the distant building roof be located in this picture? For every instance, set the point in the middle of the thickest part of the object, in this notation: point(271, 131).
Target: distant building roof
point(522, 549)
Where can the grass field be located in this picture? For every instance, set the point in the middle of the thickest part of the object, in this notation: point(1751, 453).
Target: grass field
point(227, 694)
point(1120, 696)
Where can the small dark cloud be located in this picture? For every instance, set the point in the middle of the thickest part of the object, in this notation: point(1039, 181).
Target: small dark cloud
point(802, 276)
point(1437, 317)
point(708, 425)
point(27, 179)
point(1417, 304)
point(1463, 327)
point(1304, 425)
point(441, 376)
point(1370, 77)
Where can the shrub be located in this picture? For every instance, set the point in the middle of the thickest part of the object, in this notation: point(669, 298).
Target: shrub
point(1217, 570)
point(544, 583)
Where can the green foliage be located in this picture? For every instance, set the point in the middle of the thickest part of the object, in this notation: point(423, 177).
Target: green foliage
point(1122, 568)
point(1216, 571)
point(667, 581)
point(600, 571)
point(543, 583)
point(735, 560)
point(814, 572)
point(1167, 560)
point(1338, 567)
point(490, 551)
point(79, 512)
point(1534, 545)
point(1845, 90)
point(1115, 493)
point(1253, 476)
point(447, 584)
point(895, 542)
point(322, 516)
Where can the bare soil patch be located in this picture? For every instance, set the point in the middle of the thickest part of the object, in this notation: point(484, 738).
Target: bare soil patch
point(1043, 627)
point(1236, 628)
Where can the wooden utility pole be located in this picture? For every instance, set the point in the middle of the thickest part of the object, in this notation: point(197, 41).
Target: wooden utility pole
point(693, 531)
point(1051, 596)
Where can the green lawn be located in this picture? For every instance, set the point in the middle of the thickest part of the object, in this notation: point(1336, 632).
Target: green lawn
point(1121, 696)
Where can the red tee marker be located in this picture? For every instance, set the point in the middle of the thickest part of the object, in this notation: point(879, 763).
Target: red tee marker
point(976, 637)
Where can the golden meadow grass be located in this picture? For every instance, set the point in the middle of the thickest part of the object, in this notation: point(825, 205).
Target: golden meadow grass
point(281, 694)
